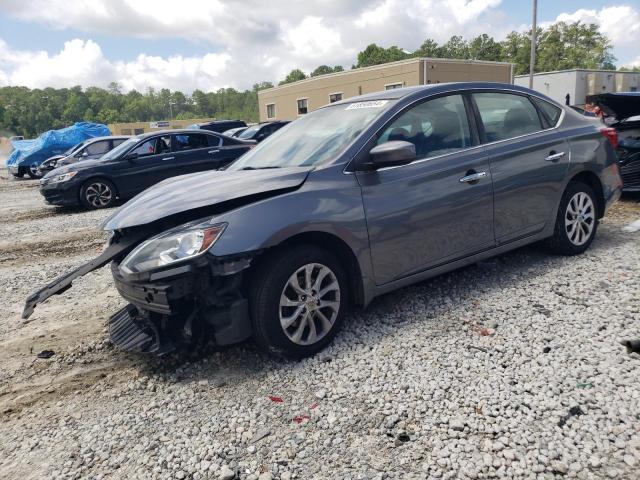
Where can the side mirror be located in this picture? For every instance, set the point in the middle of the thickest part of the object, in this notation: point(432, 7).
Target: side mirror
point(391, 154)
point(131, 156)
point(84, 154)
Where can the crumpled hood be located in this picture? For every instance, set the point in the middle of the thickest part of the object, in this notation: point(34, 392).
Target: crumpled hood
point(203, 189)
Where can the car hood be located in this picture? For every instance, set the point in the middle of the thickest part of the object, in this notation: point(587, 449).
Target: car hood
point(198, 190)
point(619, 105)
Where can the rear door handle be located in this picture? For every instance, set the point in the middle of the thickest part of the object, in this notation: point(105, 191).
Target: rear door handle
point(168, 158)
point(473, 177)
point(214, 151)
point(554, 157)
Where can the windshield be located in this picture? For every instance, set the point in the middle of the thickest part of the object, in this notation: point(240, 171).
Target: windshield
point(314, 138)
point(249, 132)
point(123, 147)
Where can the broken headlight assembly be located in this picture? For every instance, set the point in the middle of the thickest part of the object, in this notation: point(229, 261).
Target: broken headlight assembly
point(181, 243)
point(63, 177)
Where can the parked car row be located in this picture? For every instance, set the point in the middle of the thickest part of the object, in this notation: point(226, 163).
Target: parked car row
point(350, 201)
point(137, 163)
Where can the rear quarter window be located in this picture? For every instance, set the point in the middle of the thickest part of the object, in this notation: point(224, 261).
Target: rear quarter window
point(551, 112)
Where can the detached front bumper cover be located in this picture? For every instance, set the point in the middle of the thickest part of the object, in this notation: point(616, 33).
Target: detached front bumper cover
point(116, 249)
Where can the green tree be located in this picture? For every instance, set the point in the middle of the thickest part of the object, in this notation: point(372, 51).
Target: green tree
point(484, 47)
point(429, 49)
point(375, 55)
point(293, 76)
point(261, 86)
point(573, 45)
point(456, 47)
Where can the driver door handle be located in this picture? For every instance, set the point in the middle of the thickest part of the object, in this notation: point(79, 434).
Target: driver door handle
point(214, 151)
point(554, 157)
point(473, 177)
point(168, 158)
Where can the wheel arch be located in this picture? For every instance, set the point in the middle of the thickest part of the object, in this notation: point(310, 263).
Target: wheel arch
point(590, 178)
point(95, 177)
point(336, 246)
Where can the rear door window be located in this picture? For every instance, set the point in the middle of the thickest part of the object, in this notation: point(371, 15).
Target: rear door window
point(98, 148)
point(191, 141)
point(506, 115)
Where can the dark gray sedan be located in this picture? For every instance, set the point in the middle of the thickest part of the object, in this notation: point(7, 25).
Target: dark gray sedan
point(351, 201)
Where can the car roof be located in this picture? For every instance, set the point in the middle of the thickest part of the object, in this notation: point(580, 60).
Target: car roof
point(177, 131)
point(106, 137)
point(434, 88)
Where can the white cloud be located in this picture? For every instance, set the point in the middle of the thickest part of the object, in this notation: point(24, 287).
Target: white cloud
point(253, 40)
point(82, 63)
point(621, 24)
point(311, 38)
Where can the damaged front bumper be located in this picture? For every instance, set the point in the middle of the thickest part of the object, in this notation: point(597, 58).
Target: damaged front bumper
point(175, 306)
point(168, 307)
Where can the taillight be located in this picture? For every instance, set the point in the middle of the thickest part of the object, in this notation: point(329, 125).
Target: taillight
point(611, 135)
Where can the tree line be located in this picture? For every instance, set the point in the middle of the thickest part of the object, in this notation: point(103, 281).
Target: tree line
point(29, 112)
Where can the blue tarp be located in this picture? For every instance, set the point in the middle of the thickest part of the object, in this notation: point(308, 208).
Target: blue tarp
point(54, 142)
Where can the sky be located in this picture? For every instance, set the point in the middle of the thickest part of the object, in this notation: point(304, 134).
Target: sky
point(210, 44)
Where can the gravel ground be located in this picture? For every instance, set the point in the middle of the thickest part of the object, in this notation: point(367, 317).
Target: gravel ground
point(510, 368)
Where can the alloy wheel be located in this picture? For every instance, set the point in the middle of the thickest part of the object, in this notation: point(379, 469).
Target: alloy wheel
point(98, 194)
point(579, 218)
point(309, 304)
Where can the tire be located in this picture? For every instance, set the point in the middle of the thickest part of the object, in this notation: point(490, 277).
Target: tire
point(576, 221)
point(269, 309)
point(33, 172)
point(97, 193)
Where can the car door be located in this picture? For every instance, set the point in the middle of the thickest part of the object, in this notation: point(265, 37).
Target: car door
point(529, 159)
point(438, 208)
point(197, 152)
point(144, 165)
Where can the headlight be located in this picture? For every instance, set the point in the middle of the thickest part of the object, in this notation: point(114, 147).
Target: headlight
point(63, 177)
point(173, 246)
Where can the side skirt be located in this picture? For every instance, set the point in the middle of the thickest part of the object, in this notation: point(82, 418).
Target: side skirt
point(463, 262)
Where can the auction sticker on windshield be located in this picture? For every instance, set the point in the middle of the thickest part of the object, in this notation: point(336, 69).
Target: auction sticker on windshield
point(369, 104)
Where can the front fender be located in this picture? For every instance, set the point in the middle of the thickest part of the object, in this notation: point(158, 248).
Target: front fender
point(329, 202)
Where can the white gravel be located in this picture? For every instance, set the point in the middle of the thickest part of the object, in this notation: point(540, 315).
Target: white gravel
point(511, 368)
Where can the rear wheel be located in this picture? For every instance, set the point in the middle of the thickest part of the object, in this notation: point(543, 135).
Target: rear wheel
point(298, 300)
point(98, 193)
point(576, 221)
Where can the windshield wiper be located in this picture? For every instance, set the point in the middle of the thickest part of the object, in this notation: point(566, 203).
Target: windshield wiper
point(260, 168)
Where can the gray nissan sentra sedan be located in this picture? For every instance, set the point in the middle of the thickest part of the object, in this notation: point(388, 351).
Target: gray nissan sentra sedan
point(346, 203)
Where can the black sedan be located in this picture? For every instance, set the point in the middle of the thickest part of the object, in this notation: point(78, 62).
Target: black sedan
point(261, 131)
point(137, 164)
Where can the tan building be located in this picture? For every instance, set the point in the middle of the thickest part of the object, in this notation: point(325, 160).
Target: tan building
point(136, 128)
point(287, 102)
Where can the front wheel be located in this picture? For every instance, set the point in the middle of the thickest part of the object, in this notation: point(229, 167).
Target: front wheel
point(98, 193)
point(298, 300)
point(33, 172)
point(576, 221)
